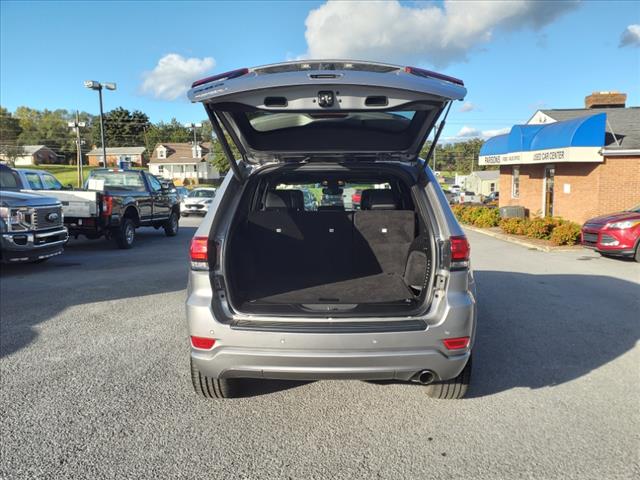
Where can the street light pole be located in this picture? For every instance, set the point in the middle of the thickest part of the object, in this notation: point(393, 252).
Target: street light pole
point(76, 126)
point(104, 145)
point(94, 85)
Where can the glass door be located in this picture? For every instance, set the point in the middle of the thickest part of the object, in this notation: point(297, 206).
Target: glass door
point(549, 180)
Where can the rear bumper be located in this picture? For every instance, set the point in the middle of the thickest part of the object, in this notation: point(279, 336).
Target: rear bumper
point(389, 355)
point(317, 365)
point(32, 246)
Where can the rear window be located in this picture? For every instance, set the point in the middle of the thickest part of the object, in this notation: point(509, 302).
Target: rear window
point(388, 121)
point(344, 195)
point(202, 194)
point(120, 180)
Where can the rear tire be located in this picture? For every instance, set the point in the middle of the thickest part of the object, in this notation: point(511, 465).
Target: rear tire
point(453, 389)
point(636, 257)
point(126, 234)
point(213, 387)
point(171, 226)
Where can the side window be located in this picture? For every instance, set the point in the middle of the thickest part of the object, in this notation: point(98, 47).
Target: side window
point(50, 182)
point(515, 182)
point(154, 183)
point(34, 181)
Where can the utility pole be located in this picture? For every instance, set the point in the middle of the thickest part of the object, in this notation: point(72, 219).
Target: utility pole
point(193, 127)
point(76, 126)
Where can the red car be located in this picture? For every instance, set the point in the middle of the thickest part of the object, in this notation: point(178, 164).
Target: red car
point(615, 234)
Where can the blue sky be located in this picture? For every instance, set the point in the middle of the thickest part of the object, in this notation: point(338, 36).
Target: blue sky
point(514, 57)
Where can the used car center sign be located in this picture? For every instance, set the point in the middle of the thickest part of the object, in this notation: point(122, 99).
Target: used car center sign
point(570, 154)
point(577, 140)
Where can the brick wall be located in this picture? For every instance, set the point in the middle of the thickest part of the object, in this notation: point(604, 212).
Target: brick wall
point(594, 188)
point(531, 177)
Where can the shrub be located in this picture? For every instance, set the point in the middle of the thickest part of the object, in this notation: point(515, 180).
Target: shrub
point(482, 217)
point(541, 227)
point(488, 217)
point(567, 233)
point(514, 226)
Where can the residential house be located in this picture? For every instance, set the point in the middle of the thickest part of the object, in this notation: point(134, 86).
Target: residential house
point(181, 161)
point(483, 182)
point(117, 157)
point(574, 163)
point(36, 155)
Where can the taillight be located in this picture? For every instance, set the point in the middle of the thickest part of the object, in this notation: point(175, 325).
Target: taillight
point(203, 343)
point(460, 251)
point(457, 343)
point(107, 205)
point(221, 76)
point(199, 253)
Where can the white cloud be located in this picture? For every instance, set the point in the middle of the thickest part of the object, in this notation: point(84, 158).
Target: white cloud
point(432, 34)
point(467, 133)
point(468, 107)
point(174, 74)
point(631, 36)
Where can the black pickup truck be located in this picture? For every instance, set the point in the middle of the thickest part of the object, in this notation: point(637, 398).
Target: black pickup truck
point(31, 228)
point(116, 202)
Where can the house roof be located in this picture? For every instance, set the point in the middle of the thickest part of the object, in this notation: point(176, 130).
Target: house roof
point(180, 153)
point(623, 124)
point(31, 149)
point(487, 174)
point(118, 151)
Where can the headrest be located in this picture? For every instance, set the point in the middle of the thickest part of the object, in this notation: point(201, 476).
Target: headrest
point(284, 200)
point(377, 199)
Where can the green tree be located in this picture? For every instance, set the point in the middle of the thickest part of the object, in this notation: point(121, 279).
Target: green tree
point(219, 159)
point(167, 132)
point(9, 128)
point(122, 128)
point(9, 153)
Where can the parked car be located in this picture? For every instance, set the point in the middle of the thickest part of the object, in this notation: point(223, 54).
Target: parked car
point(197, 201)
point(616, 234)
point(493, 198)
point(468, 197)
point(31, 228)
point(116, 202)
point(455, 189)
point(33, 179)
point(383, 292)
point(182, 192)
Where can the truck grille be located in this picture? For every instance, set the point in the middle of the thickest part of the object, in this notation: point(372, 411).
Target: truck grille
point(47, 217)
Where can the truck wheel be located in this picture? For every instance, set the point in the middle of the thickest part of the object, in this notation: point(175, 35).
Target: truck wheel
point(171, 225)
point(453, 389)
point(213, 387)
point(126, 234)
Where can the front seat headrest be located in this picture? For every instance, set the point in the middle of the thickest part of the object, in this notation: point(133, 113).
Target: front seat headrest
point(378, 199)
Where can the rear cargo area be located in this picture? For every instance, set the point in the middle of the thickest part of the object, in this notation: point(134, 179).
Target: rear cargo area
point(285, 256)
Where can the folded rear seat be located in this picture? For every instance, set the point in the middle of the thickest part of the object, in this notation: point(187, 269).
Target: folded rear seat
point(382, 233)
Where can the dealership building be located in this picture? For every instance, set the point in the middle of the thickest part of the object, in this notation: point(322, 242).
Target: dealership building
point(571, 163)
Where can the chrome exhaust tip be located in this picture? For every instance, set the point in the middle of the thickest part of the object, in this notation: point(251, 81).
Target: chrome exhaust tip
point(425, 377)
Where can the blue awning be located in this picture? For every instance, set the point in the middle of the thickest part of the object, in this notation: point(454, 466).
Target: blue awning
point(578, 132)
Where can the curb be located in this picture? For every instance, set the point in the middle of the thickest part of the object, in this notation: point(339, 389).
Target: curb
point(523, 243)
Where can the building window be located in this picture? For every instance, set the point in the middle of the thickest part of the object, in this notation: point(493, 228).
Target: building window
point(492, 187)
point(160, 168)
point(162, 153)
point(195, 168)
point(515, 182)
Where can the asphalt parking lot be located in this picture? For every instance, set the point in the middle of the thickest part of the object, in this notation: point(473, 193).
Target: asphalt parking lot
point(95, 380)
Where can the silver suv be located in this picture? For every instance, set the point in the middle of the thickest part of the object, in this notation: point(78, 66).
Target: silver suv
point(376, 288)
